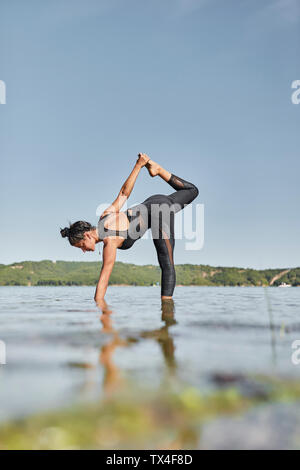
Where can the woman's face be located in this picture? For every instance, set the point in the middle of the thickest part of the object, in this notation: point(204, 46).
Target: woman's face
point(87, 243)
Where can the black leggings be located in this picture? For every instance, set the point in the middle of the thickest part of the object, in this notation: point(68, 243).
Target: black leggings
point(162, 227)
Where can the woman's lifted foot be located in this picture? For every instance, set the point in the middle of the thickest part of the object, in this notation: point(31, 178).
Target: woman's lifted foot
point(143, 159)
point(153, 168)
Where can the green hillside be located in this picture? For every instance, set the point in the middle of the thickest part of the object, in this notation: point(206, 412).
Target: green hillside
point(67, 273)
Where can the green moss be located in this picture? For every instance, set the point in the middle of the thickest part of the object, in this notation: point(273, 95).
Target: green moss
point(162, 419)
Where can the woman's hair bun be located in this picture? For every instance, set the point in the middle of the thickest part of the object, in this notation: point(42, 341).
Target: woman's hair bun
point(65, 232)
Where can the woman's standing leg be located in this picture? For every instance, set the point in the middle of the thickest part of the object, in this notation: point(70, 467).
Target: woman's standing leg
point(164, 246)
point(185, 193)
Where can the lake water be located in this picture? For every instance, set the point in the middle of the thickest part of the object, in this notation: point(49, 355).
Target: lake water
point(60, 348)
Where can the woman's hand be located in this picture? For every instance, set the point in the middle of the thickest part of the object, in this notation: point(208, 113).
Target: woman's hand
point(98, 297)
point(143, 159)
point(101, 303)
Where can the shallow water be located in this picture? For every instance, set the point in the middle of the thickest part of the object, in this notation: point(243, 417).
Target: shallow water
point(61, 349)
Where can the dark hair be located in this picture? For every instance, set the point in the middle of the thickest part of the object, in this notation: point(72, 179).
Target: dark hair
point(75, 232)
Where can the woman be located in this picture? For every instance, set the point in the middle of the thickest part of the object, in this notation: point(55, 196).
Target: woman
point(120, 230)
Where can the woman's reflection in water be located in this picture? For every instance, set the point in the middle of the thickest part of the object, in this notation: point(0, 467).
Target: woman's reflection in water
point(162, 335)
point(113, 379)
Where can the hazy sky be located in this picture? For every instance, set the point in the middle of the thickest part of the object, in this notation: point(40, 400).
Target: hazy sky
point(203, 87)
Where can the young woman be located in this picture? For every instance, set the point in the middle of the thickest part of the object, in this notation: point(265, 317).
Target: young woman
point(120, 230)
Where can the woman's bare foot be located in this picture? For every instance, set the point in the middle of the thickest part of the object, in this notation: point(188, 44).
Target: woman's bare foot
point(153, 168)
point(143, 159)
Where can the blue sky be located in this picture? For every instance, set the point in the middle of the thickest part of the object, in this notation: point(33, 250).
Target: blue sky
point(203, 87)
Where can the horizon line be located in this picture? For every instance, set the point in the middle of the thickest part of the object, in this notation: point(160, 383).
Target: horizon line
point(149, 264)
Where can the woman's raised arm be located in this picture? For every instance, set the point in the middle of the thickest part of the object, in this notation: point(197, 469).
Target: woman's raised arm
point(127, 186)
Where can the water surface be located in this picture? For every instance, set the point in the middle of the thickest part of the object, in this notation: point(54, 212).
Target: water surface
point(61, 348)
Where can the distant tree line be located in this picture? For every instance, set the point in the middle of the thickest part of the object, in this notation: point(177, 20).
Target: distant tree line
point(73, 273)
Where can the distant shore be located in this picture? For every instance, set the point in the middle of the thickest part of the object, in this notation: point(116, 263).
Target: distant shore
point(75, 273)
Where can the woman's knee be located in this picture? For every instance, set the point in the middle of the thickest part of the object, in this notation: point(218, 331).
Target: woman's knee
point(195, 192)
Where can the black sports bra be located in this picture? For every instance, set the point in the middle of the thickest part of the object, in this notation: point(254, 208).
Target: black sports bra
point(109, 232)
point(104, 232)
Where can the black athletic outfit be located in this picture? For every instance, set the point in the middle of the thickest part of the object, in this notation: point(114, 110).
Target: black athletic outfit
point(150, 214)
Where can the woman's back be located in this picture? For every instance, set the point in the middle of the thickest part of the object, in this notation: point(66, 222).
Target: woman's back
point(113, 225)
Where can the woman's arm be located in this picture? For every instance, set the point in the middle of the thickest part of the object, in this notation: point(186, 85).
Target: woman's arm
point(109, 257)
point(127, 186)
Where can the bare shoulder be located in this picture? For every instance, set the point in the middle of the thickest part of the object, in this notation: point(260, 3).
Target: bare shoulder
point(109, 241)
point(106, 212)
point(113, 242)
